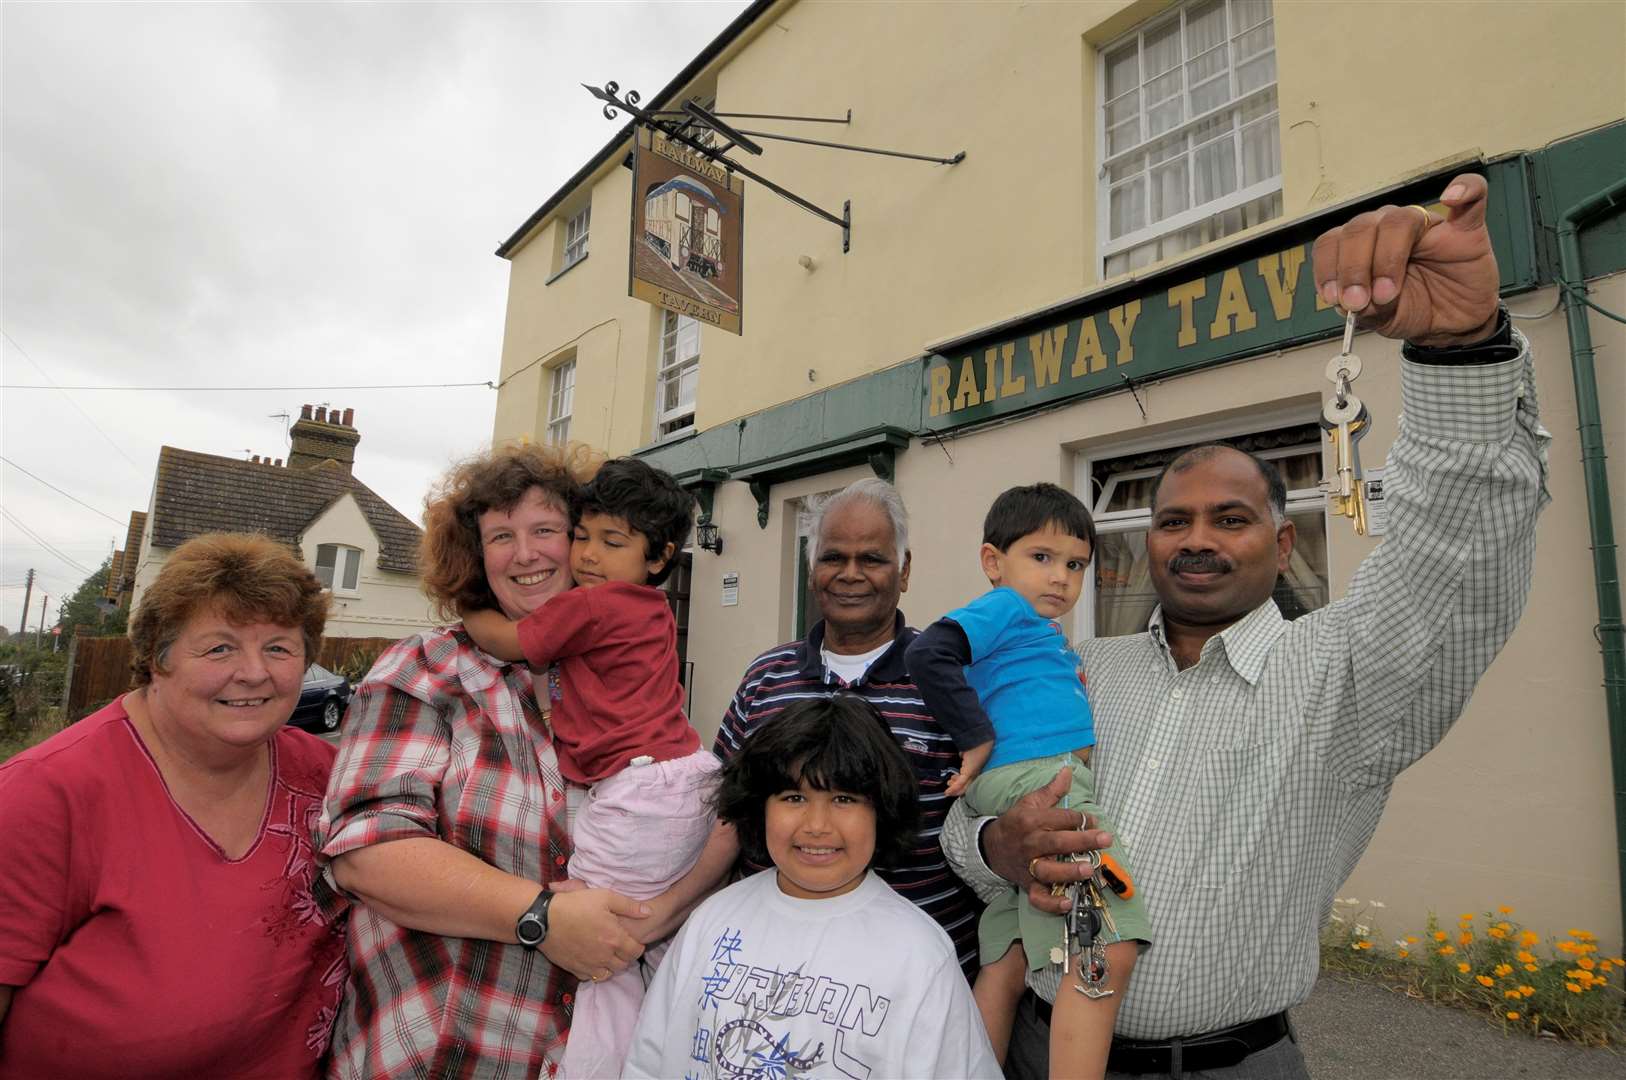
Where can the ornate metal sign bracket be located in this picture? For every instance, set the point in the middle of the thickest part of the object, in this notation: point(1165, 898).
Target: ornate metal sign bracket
point(676, 126)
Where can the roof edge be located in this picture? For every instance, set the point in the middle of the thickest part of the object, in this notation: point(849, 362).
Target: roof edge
point(742, 22)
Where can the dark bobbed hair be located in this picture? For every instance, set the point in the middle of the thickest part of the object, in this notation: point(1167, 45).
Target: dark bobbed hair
point(648, 500)
point(838, 743)
point(1023, 510)
point(1275, 486)
point(243, 577)
point(450, 559)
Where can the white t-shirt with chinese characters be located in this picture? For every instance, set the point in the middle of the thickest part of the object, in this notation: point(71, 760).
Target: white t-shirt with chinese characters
point(863, 985)
point(851, 668)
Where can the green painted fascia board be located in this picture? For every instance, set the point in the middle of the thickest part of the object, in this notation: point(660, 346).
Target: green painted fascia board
point(834, 454)
point(1565, 173)
point(687, 458)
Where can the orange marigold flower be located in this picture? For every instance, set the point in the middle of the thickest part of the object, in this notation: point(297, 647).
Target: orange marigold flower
point(1514, 994)
point(1465, 938)
point(1484, 980)
point(1411, 940)
point(1463, 968)
point(1496, 933)
point(1587, 949)
point(1572, 988)
point(1440, 935)
point(1469, 917)
point(1567, 947)
point(1528, 991)
point(1361, 945)
point(1512, 1016)
point(1617, 961)
point(1503, 969)
point(1526, 957)
point(1403, 953)
point(1447, 950)
point(1582, 935)
point(1505, 910)
point(1586, 963)
point(1606, 966)
point(1531, 967)
point(1528, 938)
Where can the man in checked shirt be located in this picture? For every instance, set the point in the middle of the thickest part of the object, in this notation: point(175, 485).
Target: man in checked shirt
point(1247, 759)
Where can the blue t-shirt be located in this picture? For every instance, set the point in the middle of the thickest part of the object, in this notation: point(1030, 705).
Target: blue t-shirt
point(1026, 678)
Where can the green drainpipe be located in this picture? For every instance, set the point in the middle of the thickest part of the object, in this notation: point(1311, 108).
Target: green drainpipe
point(1605, 572)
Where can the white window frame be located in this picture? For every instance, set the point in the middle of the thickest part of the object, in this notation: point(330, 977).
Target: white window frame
point(1107, 245)
point(561, 401)
point(1299, 500)
point(671, 366)
point(576, 229)
point(334, 579)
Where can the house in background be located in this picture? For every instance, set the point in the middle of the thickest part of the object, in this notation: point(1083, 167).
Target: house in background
point(360, 546)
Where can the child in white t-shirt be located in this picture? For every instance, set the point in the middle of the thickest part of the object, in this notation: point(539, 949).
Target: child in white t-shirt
point(816, 969)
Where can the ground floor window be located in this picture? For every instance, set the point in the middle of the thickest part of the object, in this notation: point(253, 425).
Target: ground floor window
point(1123, 513)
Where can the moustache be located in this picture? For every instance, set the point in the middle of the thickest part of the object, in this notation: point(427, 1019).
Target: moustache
point(1199, 563)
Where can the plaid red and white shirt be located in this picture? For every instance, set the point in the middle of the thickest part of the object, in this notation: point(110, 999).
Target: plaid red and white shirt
point(443, 740)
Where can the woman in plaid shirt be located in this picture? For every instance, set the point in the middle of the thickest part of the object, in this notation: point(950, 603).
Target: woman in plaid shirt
point(447, 817)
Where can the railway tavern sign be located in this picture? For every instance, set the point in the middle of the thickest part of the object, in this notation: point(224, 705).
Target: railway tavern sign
point(687, 232)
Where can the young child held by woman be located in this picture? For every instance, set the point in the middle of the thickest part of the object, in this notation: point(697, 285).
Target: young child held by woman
point(1000, 678)
point(608, 649)
point(815, 968)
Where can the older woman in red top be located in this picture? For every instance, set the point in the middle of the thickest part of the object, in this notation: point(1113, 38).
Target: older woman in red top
point(156, 910)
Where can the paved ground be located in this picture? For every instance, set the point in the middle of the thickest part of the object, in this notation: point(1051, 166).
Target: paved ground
point(1360, 1031)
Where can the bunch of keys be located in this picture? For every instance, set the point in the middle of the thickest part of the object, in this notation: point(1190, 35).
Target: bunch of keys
point(1346, 421)
point(1081, 932)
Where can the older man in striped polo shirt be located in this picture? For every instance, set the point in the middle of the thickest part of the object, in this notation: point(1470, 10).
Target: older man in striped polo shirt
point(860, 564)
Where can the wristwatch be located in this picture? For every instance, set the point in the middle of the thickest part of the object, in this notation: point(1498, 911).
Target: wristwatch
point(532, 927)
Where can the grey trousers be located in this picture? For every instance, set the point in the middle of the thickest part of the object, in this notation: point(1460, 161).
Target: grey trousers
point(1029, 1056)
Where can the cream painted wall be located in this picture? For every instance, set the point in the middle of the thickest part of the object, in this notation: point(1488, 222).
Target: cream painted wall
point(938, 250)
point(1515, 805)
point(387, 604)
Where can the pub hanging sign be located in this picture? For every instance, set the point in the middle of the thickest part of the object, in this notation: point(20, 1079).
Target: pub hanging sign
point(688, 232)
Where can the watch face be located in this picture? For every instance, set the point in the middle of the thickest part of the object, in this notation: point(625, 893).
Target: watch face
point(532, 926)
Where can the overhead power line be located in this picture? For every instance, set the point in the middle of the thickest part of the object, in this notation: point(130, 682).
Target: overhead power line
point(63, 391)
point(62, 493)
point(42, 542)
point(488, 384)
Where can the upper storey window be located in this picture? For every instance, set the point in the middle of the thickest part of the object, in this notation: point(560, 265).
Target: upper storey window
point(1190, 141)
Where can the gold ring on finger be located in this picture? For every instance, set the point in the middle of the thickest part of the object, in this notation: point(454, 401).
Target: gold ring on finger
point(1428, 218)
point(1033, 867)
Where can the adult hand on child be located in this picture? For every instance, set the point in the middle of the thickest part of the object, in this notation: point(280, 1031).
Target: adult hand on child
point(1022, 844)
point(585, 935)
point(494, 633)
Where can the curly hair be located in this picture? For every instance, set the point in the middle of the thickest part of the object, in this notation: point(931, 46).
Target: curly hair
point(838, 743)
point(243, 577)
point(652, 503)
point(450, 560)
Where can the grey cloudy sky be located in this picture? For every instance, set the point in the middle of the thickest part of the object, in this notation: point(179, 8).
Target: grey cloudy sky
point(275, 195)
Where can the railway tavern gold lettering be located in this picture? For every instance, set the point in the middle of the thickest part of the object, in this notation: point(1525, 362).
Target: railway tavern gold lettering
point(1045, 349)
point(1010, 383)
point(940, 387)
point(990, 389)
point(1122, 320)
point(1183, 297)
point(1233, 313)
point(1281, 276)
point(1089, 356)
point(966, 395)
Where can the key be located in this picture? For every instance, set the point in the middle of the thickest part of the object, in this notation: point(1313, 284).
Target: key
point(1346, 420)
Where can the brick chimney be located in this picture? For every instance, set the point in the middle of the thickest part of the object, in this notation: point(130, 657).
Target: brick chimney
point(323, 438)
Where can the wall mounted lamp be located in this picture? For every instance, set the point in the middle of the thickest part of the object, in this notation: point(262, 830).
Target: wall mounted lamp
point(709, 537)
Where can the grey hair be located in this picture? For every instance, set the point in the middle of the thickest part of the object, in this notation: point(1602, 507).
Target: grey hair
point(873, 490)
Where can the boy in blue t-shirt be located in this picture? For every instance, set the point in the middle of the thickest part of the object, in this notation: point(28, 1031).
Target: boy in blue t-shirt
point(1000, 678)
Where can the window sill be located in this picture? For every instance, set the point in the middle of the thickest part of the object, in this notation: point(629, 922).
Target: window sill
point(565, 270)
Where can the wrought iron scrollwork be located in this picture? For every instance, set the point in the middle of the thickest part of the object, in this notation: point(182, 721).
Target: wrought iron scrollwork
point(611, 89)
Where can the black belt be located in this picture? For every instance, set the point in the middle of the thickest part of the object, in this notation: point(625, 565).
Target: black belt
point(1214, 1050)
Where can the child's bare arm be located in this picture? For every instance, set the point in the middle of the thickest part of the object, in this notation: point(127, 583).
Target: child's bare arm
point(971, 763)
point(937, 661)
point(1081, 1027)
point(494, 632)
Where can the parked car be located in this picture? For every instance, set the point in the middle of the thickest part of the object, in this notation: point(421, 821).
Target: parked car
point(322, 700)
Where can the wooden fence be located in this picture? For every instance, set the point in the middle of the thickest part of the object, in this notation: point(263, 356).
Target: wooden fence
point(99, 667)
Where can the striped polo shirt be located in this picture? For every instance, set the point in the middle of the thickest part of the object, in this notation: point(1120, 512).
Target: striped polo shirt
point(795, 672)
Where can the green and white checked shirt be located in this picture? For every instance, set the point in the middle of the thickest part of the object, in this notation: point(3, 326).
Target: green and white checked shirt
point(1246, 787)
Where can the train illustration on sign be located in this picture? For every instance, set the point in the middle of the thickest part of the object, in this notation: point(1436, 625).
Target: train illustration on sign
point(683, 222)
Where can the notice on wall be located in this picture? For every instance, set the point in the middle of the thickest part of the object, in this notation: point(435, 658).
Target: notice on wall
point(731, 588)
point(1377, 509)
